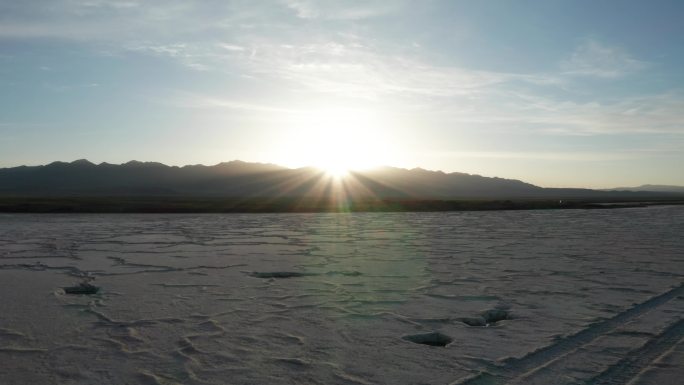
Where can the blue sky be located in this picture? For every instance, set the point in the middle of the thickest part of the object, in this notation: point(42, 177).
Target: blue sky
point(556, 93)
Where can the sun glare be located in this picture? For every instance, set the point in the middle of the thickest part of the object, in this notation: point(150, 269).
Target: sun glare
point(336, 171)
point(336, 141)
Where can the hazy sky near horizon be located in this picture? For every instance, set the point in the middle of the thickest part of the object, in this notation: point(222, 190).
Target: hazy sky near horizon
point(579, 93)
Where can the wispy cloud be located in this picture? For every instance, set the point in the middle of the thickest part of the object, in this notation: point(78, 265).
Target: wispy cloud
point(576, 156)
point(458, 95)
point(347, 10)
point(232, 47)
point(339, 67)
point(265, 41)
point(595, 59)
point(172, 50)
point(191, 56)
point(643, 114)
point(198, 101)
point(646, 114)
point(357, 71)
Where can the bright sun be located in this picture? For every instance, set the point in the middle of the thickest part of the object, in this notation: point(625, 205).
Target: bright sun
point(336, 141)
point(335, 170)
point(339, 158)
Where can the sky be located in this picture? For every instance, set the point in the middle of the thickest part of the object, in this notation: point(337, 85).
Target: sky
point(581, 93)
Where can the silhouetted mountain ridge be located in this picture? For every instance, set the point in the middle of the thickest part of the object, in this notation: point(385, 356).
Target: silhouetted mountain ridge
point(651, 188)
point(238, 179)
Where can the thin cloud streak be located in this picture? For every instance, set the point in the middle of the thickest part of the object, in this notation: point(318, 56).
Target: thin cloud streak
point(575, 156)
point(594, 59)
point(336, 10)
point(195, 101)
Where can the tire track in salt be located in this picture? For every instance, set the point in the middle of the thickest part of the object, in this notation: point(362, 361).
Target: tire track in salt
point(513, 370)
point(638, 360)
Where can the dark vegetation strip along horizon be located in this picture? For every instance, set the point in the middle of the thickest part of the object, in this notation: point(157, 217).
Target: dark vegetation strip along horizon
point(294, 205)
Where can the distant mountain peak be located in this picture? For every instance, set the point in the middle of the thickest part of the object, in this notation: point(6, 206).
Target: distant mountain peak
point(83, 162)
point(136, 163)
point(422, 170)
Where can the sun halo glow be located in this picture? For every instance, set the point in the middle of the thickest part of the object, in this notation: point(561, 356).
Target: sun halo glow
point(336, 142)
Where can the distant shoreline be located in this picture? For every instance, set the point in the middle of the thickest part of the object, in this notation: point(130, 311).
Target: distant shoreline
point(189, 205)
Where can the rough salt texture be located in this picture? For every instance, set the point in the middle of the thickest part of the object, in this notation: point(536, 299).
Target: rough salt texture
point(328, 298)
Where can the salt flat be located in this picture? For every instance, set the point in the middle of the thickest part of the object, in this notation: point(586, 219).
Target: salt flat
point(588, 296)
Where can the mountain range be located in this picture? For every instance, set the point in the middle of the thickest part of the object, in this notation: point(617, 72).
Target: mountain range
point(651, 188)
point(238, 179)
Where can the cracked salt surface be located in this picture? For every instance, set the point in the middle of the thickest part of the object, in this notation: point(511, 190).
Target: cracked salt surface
point(547, 297)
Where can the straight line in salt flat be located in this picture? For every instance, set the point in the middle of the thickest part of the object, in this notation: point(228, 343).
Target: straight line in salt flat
point(635, 362)
point(514, 369)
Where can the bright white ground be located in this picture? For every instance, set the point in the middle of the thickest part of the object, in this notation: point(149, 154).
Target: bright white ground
point(179, 303)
